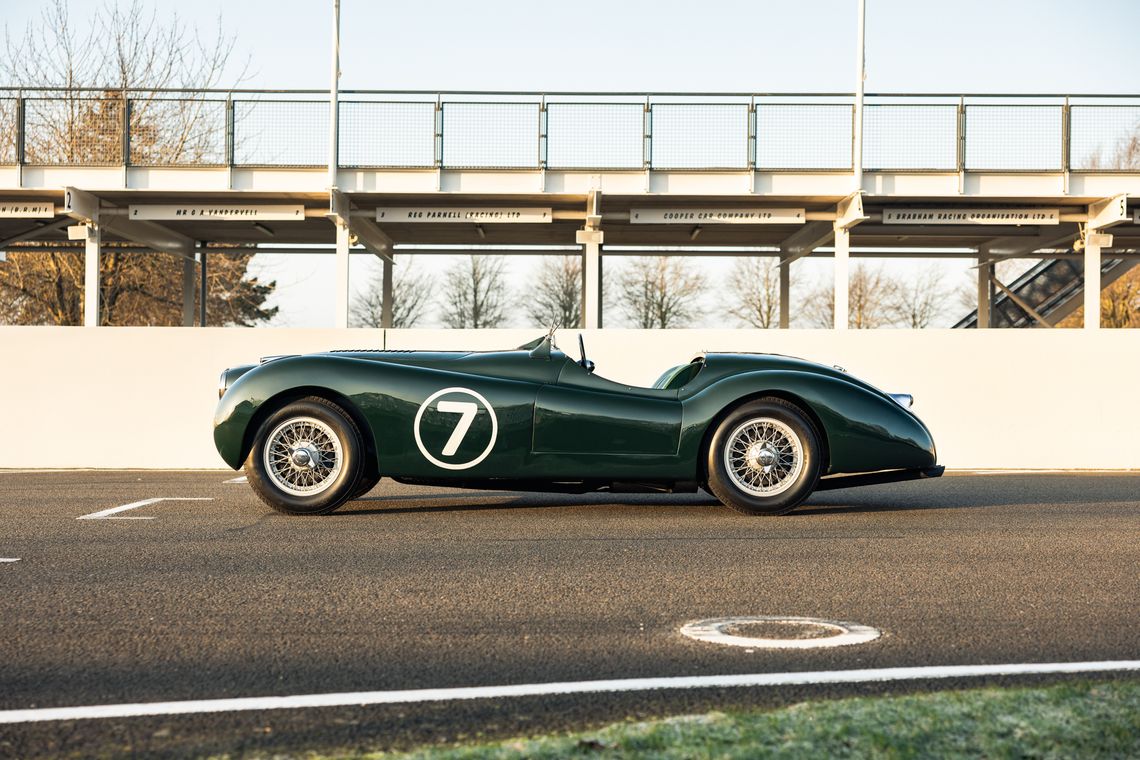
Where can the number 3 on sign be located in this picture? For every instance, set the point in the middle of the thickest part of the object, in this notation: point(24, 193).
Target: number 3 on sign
point(467, 411)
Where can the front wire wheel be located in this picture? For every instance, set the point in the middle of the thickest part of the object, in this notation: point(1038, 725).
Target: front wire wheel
point(764, 458)
point(307, 458)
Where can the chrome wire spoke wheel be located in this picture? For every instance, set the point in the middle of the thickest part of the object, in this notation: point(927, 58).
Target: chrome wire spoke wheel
point(763, 456)
point(303, 456)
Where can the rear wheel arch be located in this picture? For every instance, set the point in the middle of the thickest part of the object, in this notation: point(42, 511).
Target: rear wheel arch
point(791, 398)
point(288, 396)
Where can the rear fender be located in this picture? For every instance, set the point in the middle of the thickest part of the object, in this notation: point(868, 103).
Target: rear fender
point(863, 430)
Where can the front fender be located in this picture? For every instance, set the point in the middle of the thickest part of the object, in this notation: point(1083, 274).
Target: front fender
point(864, 430)
point(386, 397)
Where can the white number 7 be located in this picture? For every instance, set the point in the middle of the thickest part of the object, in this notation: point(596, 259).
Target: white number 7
point(468, 410)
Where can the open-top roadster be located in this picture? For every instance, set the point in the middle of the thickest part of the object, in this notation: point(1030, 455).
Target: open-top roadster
point(758, 431)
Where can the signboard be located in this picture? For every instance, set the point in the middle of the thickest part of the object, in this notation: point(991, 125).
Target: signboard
point(27, 209)
point(464, 215)
point(704, 215)
point(222, 212)
point(957, 215)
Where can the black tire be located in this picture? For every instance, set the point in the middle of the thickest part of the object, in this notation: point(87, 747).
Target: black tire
point(790, 420)
point(339, 488)
point(368, 481)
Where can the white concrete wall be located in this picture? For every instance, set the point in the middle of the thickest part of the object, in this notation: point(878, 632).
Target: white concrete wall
point(144, 397)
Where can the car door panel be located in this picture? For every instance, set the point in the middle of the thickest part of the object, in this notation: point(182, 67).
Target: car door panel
point(575, 420)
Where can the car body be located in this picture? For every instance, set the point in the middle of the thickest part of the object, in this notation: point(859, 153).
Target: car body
point(534, 418)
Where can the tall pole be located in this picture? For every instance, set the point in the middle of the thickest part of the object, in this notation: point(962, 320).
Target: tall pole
point(334, 95)
point(860, 76)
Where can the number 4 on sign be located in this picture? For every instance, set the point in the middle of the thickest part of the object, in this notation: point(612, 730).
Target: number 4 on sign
point(467, 410)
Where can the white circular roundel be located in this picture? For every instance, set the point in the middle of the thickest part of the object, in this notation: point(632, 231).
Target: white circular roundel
point(724, 631)
point(465, 411)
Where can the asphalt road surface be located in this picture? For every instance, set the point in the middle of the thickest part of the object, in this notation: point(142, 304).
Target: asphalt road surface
point(413, 588)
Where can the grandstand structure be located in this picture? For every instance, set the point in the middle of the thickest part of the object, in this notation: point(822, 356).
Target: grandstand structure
point(195, 173)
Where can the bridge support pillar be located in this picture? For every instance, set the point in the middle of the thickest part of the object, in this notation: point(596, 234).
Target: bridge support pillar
point(592, 284)
point(386, 291)
point(343, 241)
point(842, 279)
point(985, 291)
point(187, 292)
point(785, 290)
point(1092, 282)
point(91, 275)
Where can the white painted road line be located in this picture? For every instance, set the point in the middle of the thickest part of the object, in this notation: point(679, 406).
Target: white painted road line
point(9, 559)
point(108, 514)
point(360, 698)
point(241, 479)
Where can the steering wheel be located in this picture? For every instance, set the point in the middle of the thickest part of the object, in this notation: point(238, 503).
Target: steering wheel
point(585, 363)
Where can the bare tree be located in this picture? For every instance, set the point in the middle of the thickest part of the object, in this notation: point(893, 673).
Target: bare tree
point(754, 291)
point(660, 291)
point(125, 51)
point(412, 291)
point(1119, 304)
point(557, 295)
point(870, 293)
point(918, 303)
point(123, 47)
point(475, 292)
point(45, 287)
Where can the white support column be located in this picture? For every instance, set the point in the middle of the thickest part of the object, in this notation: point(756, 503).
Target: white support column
point(188, 292)
point(592, 285)
point(1092, 281)
point(785, 291)
point(842, 279)
point(386, 294)
point(984, 288)
point(860, 80)
point(91, 276)
point(343, 241)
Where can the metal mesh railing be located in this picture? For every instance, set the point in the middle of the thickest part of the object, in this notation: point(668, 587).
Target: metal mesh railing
point(183, 132)
point(1104, 138)
point(73, 131)
point(803, 136)
point(595, 135)
point(1014, 138)
point(9, 130)
point(571, 131)
point(699, 136)
point(484, 135)
point(387, 134)
point(910, 137)
point(281, 133)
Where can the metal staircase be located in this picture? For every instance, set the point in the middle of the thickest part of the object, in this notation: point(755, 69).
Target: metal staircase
point(1053, 288)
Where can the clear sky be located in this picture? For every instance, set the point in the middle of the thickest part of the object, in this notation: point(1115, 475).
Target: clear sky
point(976, 46)
point(757, 45)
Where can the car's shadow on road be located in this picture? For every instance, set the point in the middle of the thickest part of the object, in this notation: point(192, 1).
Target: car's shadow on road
point(953, 493)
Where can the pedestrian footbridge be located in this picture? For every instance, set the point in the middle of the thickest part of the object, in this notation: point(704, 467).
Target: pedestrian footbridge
point(194, 172)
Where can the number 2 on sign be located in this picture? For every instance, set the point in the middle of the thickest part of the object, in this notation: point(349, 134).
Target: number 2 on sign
point(467, 411)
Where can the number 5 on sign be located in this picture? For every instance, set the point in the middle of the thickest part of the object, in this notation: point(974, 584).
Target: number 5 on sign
point(467, 411)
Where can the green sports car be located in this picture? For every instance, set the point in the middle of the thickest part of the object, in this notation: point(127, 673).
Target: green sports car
point(761, 432)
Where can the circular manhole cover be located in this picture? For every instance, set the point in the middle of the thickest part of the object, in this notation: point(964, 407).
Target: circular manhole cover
point(779, 632)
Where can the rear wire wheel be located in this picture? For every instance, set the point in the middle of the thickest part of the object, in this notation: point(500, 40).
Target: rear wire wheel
point(764, 458)
point(308, 458)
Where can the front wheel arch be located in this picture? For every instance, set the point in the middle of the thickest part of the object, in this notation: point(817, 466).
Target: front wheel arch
point(791, 398)
point(288, 396)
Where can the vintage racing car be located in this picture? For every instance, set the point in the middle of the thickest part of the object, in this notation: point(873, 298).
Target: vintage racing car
point(760, 432)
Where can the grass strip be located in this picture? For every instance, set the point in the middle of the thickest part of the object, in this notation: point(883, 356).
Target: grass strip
point(1086, 720)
